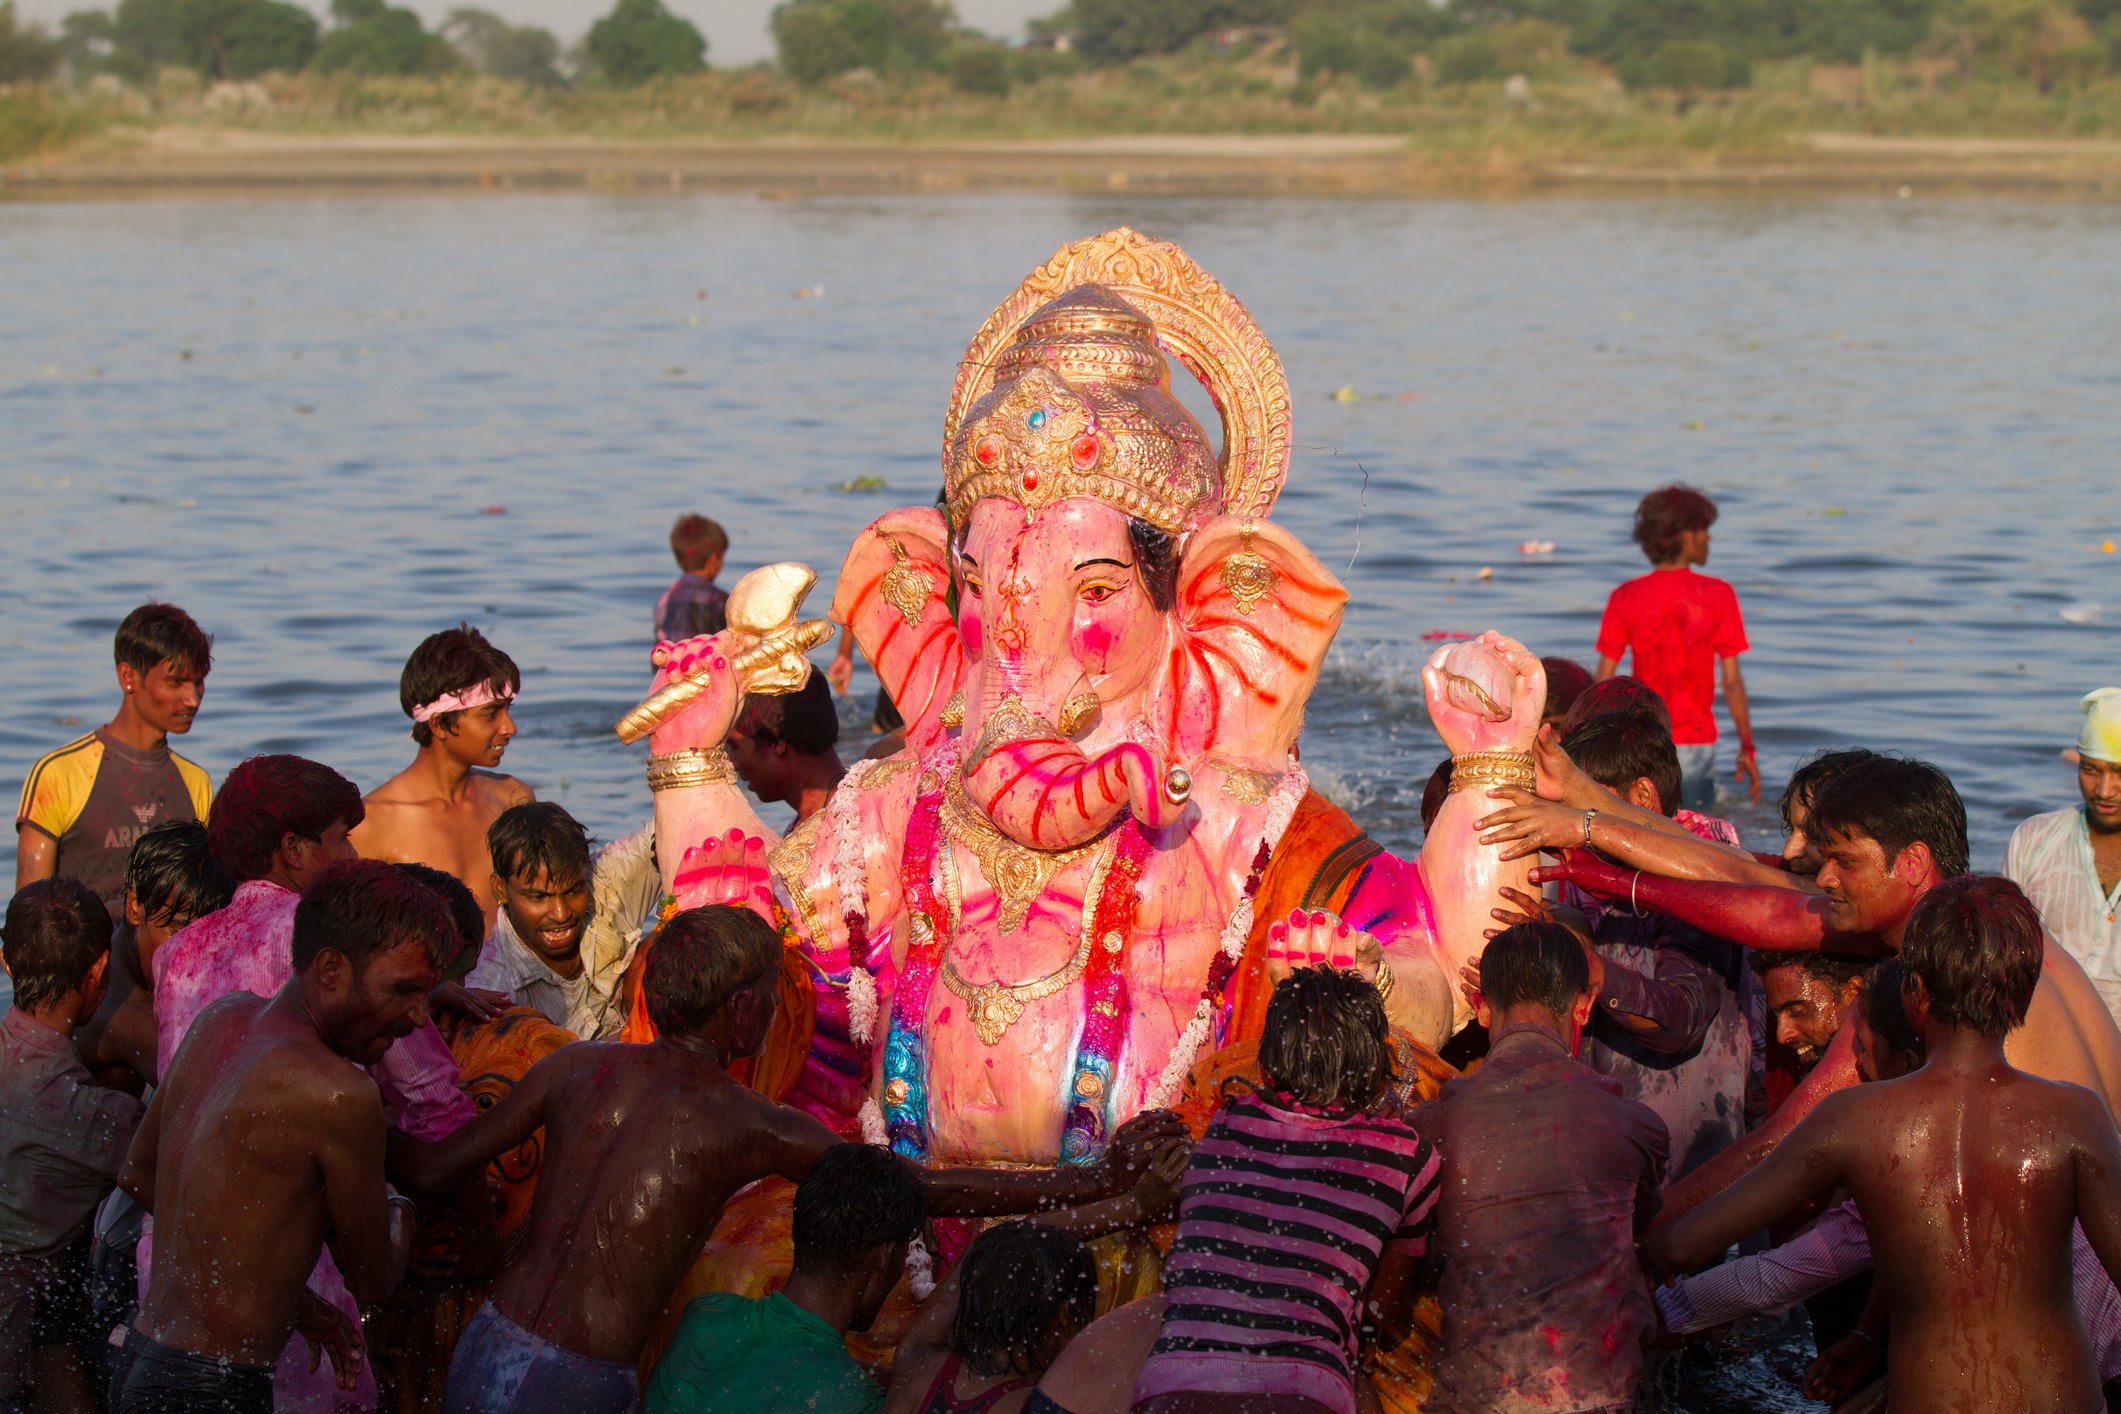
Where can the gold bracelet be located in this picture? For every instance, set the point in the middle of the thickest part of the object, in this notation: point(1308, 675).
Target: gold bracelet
point(697, 766)
point(1478, 770)
point(1384, 979)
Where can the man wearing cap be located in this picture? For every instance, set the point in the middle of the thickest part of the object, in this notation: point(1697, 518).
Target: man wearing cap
point(457, 688)
point(2069, 861)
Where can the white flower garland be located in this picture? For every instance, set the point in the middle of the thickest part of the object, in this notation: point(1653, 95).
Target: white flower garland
point(873, 1131)
point(861, 1004)
point(844, 815)
point(1281, 808)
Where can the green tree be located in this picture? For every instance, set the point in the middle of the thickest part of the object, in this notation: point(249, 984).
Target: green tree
point(491, 45)
point(641, 40)
point(981, 68)
point(144, 37)
point(1468, 58)
point(27, 53)
point(816, 39)
point(1116, 30)
point(373, 37)
point(88, 40)
point(240, 39)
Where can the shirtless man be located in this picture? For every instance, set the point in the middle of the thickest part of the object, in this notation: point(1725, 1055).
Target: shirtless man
point(457, 688)
point(1968, 1173)
point(266, 1139)
point(644, 1144)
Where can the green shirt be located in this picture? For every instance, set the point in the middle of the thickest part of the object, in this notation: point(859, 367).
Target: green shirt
point(759, 1357)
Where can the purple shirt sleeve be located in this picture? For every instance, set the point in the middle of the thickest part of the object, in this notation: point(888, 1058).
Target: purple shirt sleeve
point(1770, 1282)
point(1679, 1001)
point(419, 1080)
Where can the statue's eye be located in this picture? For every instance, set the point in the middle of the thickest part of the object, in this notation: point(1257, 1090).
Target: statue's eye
point(1097, 591)
point(971, 582)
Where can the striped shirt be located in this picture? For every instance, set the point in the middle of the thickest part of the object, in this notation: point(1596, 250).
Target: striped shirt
point(1282, 1223)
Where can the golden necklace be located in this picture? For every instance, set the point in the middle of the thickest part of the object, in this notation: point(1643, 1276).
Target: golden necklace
point(1017, 873)
point(995, 1006)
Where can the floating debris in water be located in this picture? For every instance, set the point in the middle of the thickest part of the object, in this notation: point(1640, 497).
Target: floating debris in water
point(1693, 424)
point(2106, 547)
point(1486, 572)
point(808, 292)
point(861, 484)
point(1536, 548)
point(180, 503)
point(2085, 613)
point(493, 510)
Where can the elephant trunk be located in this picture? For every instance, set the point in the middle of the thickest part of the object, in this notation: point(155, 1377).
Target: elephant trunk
point(1042, 791)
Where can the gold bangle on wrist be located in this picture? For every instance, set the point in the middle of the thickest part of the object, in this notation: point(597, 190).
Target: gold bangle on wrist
point(1482, 770)
point(696, 766)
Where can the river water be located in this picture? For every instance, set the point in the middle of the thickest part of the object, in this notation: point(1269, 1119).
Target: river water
point(330, 426)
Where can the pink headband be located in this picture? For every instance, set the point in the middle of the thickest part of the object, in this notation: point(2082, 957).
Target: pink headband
point(477, 695)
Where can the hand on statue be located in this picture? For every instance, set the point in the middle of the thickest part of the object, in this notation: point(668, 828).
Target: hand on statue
point(1156, 1191)
point(705, 721)
point(1529, 824)
point(1587, 872)
point(728, 868)
point(1135, 1146)
point(1559, 777)
point(330, 1334)
point(478, 1003)
point(1320, 939)
point(1528, 908)
point(1485, 694)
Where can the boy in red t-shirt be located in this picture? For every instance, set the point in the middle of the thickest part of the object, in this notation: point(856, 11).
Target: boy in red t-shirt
point(1679, 624)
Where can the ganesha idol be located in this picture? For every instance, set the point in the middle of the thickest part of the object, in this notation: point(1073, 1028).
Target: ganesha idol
point(1052, 907)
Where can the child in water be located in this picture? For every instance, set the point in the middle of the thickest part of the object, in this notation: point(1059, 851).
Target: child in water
point(1302, 1198)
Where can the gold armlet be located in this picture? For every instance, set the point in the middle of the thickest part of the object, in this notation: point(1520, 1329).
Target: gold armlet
point(1481, 770)
point(697, 766)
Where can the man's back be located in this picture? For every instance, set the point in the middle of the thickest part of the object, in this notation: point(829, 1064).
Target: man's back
point(643, 1145)
point(1547, 1175)
point(239, 1183)
point(1677, 624)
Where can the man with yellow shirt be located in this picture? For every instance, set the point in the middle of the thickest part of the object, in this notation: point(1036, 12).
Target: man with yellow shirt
point(84, 804)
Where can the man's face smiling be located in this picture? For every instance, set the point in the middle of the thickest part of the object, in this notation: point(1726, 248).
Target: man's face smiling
point(481, 734)
point(1863, 893)
point(550, 916)
point(2101, 783)
point(1806, 1010)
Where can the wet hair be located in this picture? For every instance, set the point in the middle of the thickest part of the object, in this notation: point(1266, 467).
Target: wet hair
point(171, 873)
point(1616, 749)
point(539, 835)
point(695, 540)
point(702, 958)
point(1018, 1280)
point(1886, 1009)
point(453, 660)
point(1666, 514)
point(1327, 1042)
point(1897, 802)
point(1435, 793)
point(805, 719)
point(1975, 942)
point(857, 1198)
point(267, 798)
point(1540, 963)
point(1835, 969)
point(1619, 693)
point(54, 932)
point(1156, 559)
point(464, 910)
point(1567, 680)
point(1806, 780)
point(364, 908)
point(154, 634)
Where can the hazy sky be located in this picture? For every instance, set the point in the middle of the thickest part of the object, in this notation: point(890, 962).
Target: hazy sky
point(735, 29)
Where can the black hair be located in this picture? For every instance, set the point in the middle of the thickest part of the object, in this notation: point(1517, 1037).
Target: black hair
point(1017, 1281)
point(464, 911)
point(364, 908)
point(454, 660)
point(1897, 802)
point(1806, 780)
point(539, 835)
point(804, 718)
point(55, 931)
point(268, 798)
point(1616, 749)
point(1435, 793)
point(1666, 514)
point(1567, 680)
point(1619, 693)
point(1975, 942)
point(1535, 962)
point(1326, 1040)
point(154, 634)
point(695, 540)
point(700, 959)
point(1836, 969)
point(1156, 559)
point(1885, 1009)
point(171, 874)
point(856, 1198)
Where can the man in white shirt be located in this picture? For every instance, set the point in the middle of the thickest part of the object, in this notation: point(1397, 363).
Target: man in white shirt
point(2069, 861)
point(568, 923)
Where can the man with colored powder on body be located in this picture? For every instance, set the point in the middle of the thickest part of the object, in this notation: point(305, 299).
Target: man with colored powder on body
point(1679, 625)
point(695, 605)
point(263, 1144)
point(84, 804)
point(643, 1146)
point(458, 689)
point(1968, 1174)
point(2069, 861)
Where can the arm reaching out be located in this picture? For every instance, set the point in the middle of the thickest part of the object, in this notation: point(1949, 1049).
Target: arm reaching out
point(1766, 917)
point(431, 1168)
point(1808, 1165)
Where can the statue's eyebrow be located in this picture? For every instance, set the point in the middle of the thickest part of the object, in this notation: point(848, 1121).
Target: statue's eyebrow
point(1120, 564)
point(966, 556)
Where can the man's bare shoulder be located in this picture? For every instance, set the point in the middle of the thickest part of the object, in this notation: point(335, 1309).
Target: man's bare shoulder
point(499, 792)
point(402, 790)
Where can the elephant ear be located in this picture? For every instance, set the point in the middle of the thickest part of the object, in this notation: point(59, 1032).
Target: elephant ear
point(1256, 612)
point(892, 594)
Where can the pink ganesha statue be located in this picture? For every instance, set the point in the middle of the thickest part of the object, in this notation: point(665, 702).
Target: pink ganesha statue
point(1053, 905)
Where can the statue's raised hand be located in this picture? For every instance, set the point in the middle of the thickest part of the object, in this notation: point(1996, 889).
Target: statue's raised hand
point(1485, 694)
point(705, 720)
point(726, 868)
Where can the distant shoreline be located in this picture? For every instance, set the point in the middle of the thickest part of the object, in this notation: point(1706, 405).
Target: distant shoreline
point(233, 161)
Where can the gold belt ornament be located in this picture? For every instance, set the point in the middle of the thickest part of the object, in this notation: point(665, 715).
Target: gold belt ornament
point(994, 1007)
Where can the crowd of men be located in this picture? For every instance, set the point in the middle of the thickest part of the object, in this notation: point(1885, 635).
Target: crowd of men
point(311, 1100)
